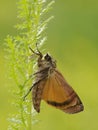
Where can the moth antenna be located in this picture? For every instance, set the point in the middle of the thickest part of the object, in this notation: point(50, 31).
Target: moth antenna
point(37, 53)
point(33, 50)
point(38, 50)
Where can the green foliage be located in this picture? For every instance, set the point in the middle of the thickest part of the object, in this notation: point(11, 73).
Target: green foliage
point(31, 28)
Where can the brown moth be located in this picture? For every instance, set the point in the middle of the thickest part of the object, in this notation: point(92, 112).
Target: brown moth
point(51, 86)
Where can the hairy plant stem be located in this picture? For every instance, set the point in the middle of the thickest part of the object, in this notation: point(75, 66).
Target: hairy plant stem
point(32, 25)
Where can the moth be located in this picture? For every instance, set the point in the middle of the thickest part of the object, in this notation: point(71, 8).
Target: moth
point(51, 86)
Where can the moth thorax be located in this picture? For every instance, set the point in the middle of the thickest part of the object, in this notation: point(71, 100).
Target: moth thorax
point(51, 72)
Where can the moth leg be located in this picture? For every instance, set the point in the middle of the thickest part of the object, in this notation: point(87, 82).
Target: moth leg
point(42, 71)
point(33, 86)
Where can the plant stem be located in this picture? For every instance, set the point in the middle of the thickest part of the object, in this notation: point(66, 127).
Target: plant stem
point(32, 25)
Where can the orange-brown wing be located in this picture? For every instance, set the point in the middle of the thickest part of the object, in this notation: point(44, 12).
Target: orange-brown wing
point(58, 93)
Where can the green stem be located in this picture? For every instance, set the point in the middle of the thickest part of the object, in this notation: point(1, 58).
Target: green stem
point(32, 26)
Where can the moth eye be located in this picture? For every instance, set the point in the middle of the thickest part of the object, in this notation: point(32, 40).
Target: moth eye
point(47, 57)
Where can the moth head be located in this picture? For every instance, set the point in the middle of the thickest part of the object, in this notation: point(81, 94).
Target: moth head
point(47, 57)
point(50, 60)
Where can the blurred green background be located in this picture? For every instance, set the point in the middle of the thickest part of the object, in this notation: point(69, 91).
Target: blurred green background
point(73, 42)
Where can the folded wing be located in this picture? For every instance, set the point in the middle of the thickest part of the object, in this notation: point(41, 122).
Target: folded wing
point(58, 93)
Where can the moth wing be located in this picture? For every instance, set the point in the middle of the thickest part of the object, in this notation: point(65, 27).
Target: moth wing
point(37, 94)
point(58, 93)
